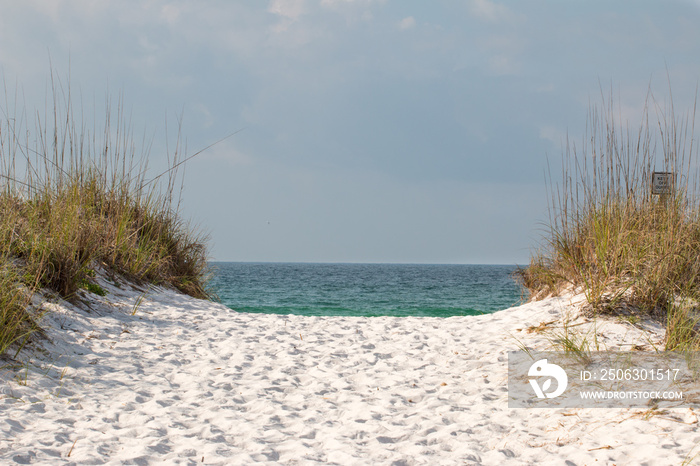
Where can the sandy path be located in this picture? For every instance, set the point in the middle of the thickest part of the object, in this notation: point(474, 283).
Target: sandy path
point(190, 382)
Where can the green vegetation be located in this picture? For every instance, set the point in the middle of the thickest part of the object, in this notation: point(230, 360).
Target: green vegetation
point(73, 201)
point(629, 251)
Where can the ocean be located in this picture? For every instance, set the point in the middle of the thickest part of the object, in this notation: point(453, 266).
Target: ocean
point(365, 289)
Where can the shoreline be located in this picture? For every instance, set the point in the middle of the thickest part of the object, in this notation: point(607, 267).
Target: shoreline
point(185, 380)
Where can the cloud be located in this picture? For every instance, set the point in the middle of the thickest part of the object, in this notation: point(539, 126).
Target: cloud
point(342, 2)
point(289, 12)
point(502, 65)
point(290, 9)
point(552, 134)
point(227, 153)
point(407, 23)
point(695, 3)
point(489, 11)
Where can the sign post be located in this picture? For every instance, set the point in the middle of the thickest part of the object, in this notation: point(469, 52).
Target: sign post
point(662, 185)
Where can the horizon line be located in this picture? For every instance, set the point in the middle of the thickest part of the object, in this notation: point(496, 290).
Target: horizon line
point(363, 263)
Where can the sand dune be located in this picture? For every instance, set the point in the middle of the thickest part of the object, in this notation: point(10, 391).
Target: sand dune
point(185, 381)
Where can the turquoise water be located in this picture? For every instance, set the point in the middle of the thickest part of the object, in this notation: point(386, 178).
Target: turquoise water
point(365, 289)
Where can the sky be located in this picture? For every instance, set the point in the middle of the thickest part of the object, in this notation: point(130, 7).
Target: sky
point(370, 130)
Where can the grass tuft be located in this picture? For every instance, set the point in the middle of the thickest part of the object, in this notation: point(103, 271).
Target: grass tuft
point(72, 201)
point(16, 324)
point(629, 251)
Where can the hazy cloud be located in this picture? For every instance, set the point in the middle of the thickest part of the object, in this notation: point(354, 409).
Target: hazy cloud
point(490, 10)
point(553, 134)
point(346, 2)
point(290, 9)
point(407, 23)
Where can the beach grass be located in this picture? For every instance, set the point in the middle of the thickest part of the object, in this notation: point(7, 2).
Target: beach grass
point(74, 201)
point(630, 251)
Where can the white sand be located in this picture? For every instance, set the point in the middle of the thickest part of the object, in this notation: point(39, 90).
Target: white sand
point(187, 381)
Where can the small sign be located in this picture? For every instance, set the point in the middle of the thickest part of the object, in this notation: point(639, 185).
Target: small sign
point(662, 183)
